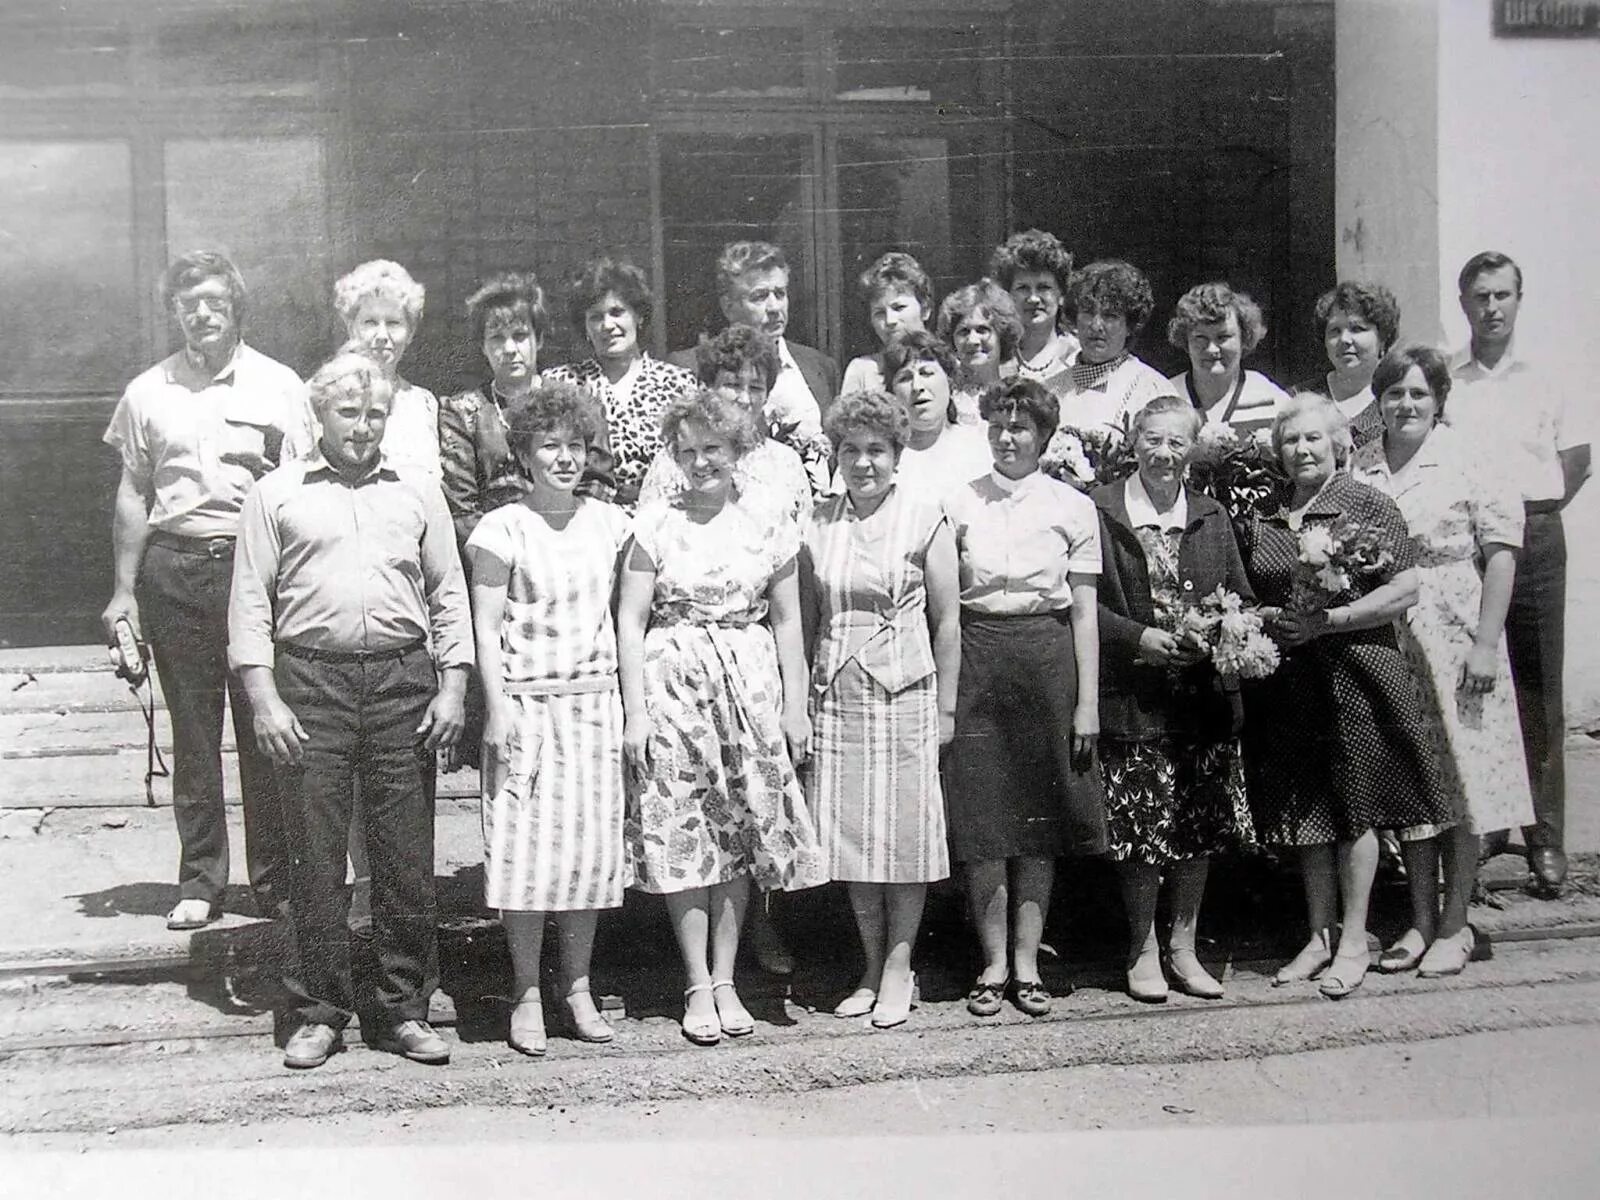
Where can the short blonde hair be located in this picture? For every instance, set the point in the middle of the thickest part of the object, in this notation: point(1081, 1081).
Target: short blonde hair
point(380, 279)
point(1333, 420)
point(348, 373)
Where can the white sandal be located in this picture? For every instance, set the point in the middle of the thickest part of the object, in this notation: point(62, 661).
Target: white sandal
point(191, 914)
point(702, 1031)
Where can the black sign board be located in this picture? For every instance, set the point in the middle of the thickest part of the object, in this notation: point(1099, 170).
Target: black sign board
point(1547, 18)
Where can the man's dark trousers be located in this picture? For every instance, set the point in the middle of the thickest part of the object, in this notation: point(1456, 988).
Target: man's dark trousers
point(183, 608)
point(360, 718)
point(1535, 630)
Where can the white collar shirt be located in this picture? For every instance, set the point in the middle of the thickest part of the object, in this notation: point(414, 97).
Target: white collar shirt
point(1516, 412)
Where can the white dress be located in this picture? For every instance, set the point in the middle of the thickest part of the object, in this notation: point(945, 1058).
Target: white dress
point(1455, 504)
point(552, 830)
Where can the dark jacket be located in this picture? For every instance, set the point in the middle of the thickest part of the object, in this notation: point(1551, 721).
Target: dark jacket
point(819, 371)
point(1140, 702)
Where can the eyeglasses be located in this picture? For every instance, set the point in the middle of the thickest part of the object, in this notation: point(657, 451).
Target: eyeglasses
point(189, 305)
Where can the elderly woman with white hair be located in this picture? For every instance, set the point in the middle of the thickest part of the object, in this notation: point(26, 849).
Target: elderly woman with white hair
point(381, 307)
point(1336, 745)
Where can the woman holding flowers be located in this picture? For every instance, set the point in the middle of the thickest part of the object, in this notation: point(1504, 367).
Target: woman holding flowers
point(1169, 721)
point(1337, 745)
point(1461, 513)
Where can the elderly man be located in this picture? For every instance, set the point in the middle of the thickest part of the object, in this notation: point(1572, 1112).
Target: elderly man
point(349, 627)
point(753, 286)
point(1518, 410)
point(194, 432)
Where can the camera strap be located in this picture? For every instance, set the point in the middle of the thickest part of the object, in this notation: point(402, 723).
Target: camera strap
point(155, 766)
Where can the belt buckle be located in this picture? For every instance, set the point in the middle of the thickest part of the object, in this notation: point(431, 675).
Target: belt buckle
point(219, 547)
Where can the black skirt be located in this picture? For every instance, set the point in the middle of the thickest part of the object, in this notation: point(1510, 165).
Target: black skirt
point(1012, 788)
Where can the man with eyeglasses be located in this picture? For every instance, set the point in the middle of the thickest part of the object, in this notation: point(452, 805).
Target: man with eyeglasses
point(195, 432)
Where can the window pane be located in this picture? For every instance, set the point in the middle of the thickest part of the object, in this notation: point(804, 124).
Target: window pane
point(262, 202)
point(767, 62)
point(939, 65)
point(722, 188)
point(67, 283)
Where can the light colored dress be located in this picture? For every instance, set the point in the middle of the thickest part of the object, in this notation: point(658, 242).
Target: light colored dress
point(1455, 504)
point(720, 798)
point(552, 832)
point(873, 780)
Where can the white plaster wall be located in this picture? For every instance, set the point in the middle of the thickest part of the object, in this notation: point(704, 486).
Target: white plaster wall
point(1386, 181)
point(1515, 166)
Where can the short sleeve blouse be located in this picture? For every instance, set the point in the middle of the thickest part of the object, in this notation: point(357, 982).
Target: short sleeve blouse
point(1020, 541)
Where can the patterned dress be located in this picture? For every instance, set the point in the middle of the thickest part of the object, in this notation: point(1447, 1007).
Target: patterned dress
point(1456, 505)
point(1178, 796)
point(552, 829)
point(770, 480)
point(1335, 742)
point(633, 409)
point(719, 798)
point(873, 780)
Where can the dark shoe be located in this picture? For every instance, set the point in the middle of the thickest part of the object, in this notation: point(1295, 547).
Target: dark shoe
point(1549, 867)
point(1030, 997)
point(417, 1041)
point(311, 1045)
point(984, 998)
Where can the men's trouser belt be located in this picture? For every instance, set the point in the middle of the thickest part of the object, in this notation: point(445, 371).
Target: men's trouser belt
point(313, 654)
point(212, 547)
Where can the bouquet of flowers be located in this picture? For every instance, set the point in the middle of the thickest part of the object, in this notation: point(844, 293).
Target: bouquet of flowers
point(1086, 458)
point(815, 451)
point(1332, 557)
point(1221, 624)
point(1241, 473)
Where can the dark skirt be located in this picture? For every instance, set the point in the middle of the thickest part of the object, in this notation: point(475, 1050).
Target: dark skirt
point(1012, 787)
point(1173, 799)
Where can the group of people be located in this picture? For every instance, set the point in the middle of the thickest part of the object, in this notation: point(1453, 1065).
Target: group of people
point(735, 621)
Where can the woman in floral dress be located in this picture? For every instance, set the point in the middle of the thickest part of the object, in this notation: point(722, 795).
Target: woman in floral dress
point(1169, 723)
point(715, 706)
point(1335, 745)
point(610, 304)
point(1461, 512)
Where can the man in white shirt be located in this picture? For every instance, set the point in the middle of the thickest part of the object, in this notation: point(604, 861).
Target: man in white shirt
point(1518, 410)
point(753, 282)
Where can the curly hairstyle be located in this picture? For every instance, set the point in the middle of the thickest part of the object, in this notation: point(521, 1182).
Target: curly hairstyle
point(1486, 260)
point(1397, 364)
point(553, 404)
point(378, 279)
point(732, 350)
point(994, 300)
point(1372, 302)
point(1210, 304)
point(196, 267)
point(598, 278)
point(508, 295)
point(738, 257)
point(350, 372)
point(896, 269)
point(726, 418)
point(1031, 250)
point(1333, 420)
point(1161, 406)
point(1110, 286)
point(917, 346)
point(871, 412)
point(1023, 397)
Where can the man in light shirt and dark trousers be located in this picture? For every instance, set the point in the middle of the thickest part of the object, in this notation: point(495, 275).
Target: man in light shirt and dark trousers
point(349, 626)
point(194, 433)
point(1518, 412)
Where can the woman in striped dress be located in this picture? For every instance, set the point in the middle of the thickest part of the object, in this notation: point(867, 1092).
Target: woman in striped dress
point(543, 573)
point(877, 576)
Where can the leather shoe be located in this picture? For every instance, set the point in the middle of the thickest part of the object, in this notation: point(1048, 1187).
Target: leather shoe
point(417, 1041)
point(1549, 867)
point(311, 1045)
